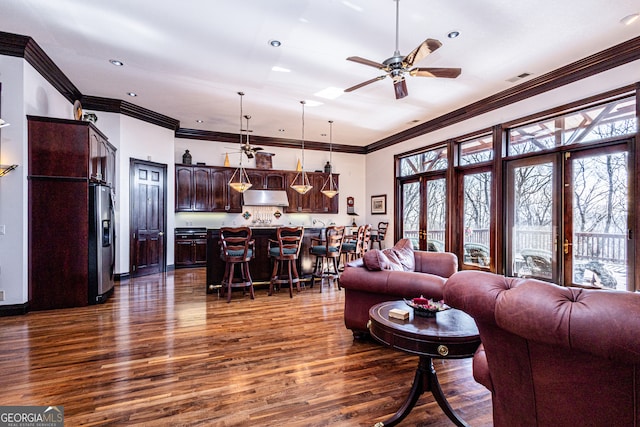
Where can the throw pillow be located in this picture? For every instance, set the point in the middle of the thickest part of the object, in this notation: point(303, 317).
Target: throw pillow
point(376, 260)
point(404, 253)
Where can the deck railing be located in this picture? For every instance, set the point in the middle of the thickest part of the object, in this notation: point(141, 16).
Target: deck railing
point(604, 247)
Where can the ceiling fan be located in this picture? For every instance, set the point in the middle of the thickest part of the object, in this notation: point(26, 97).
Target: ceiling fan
point(397, 66)
point(246, 148)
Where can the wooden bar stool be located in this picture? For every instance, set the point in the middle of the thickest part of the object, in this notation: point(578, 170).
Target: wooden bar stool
point(355, 247)
point(327, 253)
point(236, 248)
point(285, 251)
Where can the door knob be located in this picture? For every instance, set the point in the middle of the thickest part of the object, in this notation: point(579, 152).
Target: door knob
point(566, 246)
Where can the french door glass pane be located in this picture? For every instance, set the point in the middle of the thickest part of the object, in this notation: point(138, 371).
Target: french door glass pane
point(436, 214)
point(411, 212)
point(477, 216)
point(533, 229)
point(600, 195)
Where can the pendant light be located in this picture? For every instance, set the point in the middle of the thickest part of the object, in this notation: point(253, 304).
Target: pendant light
point(301, 181)
point(240, 180)
point(330, 188)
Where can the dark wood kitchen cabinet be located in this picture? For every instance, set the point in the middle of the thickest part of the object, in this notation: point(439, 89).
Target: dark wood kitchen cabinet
point(193, 189)
point(223, 197)
point(313, 201)
point(267, 179)
point(190, 248)
point(64, 156)
point(205, 189)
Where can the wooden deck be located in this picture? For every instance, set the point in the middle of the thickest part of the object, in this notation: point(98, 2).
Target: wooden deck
point(161, 352)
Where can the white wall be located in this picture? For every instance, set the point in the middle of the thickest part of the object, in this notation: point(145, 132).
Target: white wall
point(350, 168)
point(380, 166)
point(24, 92)
point(135, 139)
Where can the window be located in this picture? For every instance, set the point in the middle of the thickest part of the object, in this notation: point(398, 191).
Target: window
point(605, 121)
point(432, 160)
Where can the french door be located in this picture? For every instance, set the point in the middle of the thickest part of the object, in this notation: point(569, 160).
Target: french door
point(567, 217)
point(424, 212)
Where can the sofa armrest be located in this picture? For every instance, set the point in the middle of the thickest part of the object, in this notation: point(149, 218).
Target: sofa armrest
point(442, 264)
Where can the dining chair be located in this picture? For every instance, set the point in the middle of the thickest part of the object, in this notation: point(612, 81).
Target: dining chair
point(379, 236)
point(354, 247)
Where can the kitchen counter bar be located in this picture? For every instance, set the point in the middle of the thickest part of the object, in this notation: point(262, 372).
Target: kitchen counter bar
point(260, 266)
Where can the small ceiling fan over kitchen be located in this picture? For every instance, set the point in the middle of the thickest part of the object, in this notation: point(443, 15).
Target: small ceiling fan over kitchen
point(398, 66)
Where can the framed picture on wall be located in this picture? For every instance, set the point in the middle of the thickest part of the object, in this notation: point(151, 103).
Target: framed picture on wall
point(379, 204)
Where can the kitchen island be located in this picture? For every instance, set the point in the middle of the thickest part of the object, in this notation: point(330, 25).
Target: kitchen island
point(260, 266)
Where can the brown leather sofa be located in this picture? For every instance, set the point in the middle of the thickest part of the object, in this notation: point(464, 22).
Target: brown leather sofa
point(364, 288)
point(552, 355)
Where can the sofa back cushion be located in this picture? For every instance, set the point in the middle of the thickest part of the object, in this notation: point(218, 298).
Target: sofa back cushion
point(398, 258)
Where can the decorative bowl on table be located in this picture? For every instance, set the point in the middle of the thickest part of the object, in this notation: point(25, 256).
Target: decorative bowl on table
point(426, 307)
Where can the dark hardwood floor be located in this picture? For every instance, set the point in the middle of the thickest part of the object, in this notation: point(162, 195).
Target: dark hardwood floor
point(160, 352)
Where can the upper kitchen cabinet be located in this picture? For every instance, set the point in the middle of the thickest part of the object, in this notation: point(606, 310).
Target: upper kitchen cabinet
point(193, 188)
point(313, 201)
point(267, 179)
point(84, 152)
point(205, 189)
point(223, 198)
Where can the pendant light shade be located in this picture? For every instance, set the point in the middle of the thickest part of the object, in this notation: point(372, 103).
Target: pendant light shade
point(301, 182)
point(330, 188)
point(240, 180)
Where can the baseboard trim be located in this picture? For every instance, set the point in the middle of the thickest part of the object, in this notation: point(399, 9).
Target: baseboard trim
point(14, 309)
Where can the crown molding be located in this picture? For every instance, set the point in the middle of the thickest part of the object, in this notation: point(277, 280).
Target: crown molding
point(27, 48)
point(111, 105)
point(232, 138)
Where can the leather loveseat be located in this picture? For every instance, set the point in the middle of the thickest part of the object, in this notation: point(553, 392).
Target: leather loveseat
point(392, 274)
point(552, 355)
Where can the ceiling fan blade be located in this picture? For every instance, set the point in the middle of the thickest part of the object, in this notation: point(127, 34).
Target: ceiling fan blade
point(425, 48)
point(257, 148)
point(358, 86)
point(400, 88)
point(450, 73)
point(366, 62)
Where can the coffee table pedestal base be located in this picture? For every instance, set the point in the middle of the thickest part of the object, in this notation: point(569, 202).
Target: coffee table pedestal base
point(424, 380)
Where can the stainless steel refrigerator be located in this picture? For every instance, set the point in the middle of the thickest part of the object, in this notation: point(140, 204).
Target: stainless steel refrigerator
point(101, 243)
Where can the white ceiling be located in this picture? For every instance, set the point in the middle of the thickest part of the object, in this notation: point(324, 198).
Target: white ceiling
point(188, 59)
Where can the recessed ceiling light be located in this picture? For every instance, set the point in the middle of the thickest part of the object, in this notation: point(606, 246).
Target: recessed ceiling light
point(132, 94)
point(330, 93)
point(630, 19)
point(280, 69)
point(199, 121)
point(453, 34)
point(280, 130)
point(116, 62)
point(275, 43)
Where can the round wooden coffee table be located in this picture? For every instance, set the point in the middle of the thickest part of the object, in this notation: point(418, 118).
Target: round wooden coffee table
point(452, 334)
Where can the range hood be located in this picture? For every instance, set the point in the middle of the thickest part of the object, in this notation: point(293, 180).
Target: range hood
point(265, 198)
